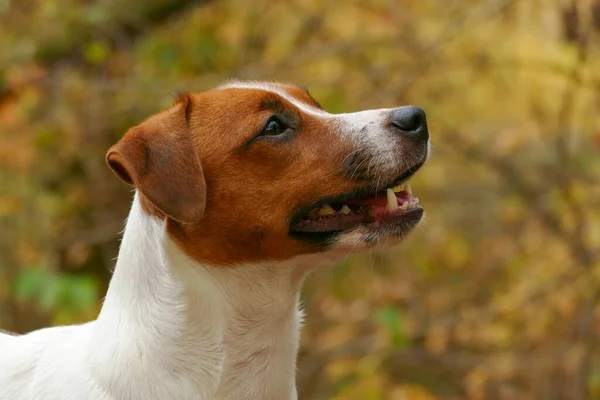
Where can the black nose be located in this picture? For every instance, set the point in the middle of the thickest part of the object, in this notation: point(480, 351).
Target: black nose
point(410, 121)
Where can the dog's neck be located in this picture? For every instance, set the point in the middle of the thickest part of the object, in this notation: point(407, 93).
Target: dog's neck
point(176, 328)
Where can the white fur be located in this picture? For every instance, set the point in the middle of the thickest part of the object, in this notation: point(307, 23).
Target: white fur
point(274, 88)
point(169, 328)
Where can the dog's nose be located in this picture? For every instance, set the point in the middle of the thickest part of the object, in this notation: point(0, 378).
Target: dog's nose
point(411, 122)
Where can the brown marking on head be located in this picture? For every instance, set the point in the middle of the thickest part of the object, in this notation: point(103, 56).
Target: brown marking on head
point(229, 187)
point(228, 194)
point(256, 184)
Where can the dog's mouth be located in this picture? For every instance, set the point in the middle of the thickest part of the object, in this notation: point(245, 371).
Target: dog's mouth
point(370, 207)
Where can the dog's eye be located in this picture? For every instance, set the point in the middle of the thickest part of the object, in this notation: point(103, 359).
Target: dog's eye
point(273, 127)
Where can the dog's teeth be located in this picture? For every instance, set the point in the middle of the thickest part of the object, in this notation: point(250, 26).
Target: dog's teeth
point(412, 204)
point(345, 210)
point(404, 206)
point(416, 200)
point(392, 201)
point(408, 189)
point(326, 210)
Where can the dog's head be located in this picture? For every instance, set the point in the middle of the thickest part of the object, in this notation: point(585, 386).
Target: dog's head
point(251, 172)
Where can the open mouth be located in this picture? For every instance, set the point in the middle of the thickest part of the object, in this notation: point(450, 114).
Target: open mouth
point(374, 210)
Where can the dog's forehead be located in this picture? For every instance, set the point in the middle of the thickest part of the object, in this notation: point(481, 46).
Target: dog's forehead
point(295, 95)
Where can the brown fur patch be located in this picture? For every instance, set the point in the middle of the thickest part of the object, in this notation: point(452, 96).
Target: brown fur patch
point(253, 187)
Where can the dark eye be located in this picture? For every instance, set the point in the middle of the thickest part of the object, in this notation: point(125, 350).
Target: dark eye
point(273, 127)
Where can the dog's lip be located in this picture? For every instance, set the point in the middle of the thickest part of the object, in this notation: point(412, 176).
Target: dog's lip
point(373, 222)
point(361, 192)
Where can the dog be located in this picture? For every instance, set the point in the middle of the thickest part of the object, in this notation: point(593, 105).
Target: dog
point(240, 192)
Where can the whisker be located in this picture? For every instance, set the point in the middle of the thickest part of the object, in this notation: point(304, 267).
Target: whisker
point(356, 169)
point(352, 153)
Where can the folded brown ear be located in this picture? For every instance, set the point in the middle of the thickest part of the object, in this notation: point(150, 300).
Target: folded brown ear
point(158, 158)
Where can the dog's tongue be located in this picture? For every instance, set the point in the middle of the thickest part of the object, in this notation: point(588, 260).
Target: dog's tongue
point(380, 199)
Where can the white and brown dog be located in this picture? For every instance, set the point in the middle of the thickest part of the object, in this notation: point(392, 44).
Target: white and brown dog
point(240, 192)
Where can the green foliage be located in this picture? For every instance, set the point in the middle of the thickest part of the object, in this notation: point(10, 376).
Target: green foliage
point(96, 52)
point(69, 293)
point(391, 319)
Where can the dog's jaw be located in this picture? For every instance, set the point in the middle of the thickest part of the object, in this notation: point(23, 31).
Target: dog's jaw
point(226, 333)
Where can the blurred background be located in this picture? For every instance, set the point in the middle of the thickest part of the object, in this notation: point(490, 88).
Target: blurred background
point(496, 296)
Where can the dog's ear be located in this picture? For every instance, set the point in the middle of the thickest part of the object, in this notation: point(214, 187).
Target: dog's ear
point(158, 157)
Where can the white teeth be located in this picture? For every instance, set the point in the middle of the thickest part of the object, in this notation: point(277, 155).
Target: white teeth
point(326, 210)
point(407, 189)
point(392, 201)
point(409, 204)
point(345, 210)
